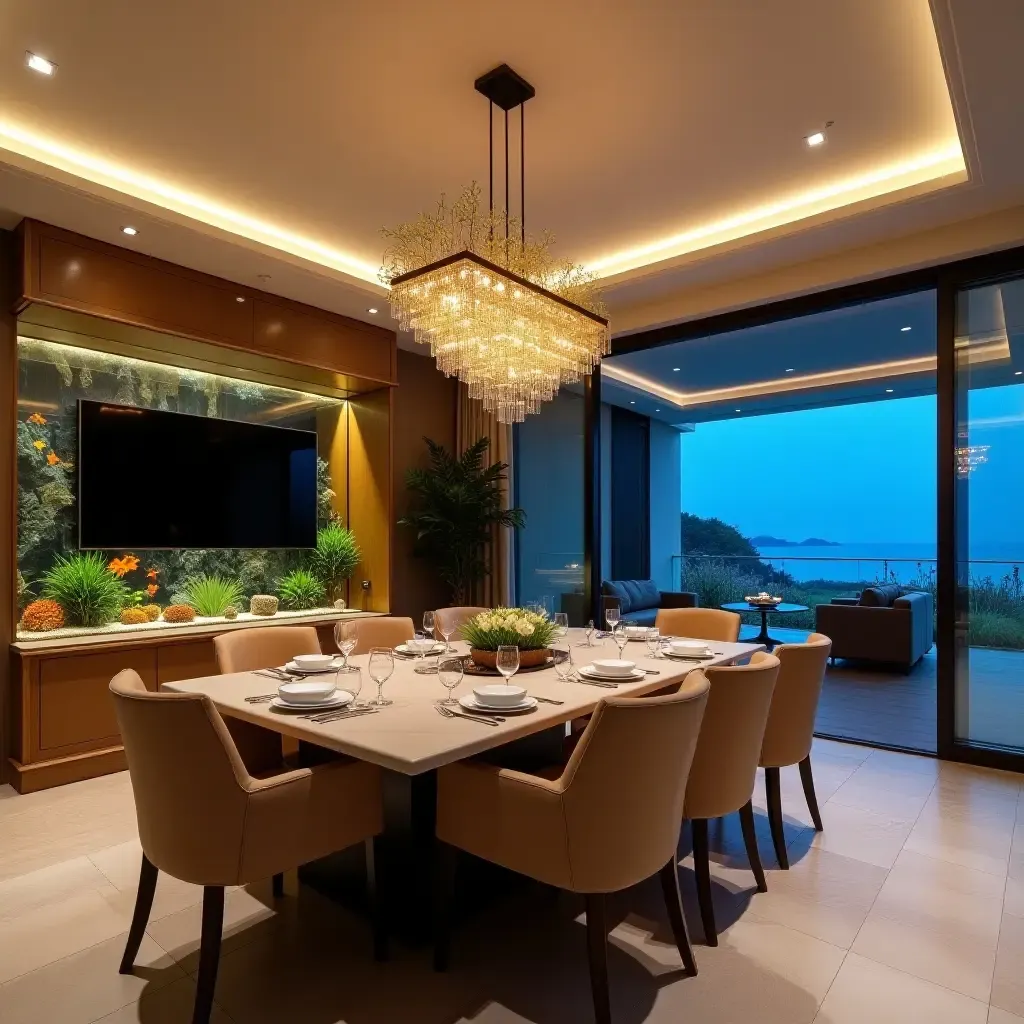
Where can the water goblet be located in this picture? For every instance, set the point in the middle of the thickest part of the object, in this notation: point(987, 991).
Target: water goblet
point(428, 623)
point(611, 615)
point(561, 621)
point(621, 639)
point(590, 633)
point(346, 636)
point(449, 674)
point(446, 631)
point(564, 667)
point(653, 641)
point(350, 679)
point(507, 662)
point(382, 664)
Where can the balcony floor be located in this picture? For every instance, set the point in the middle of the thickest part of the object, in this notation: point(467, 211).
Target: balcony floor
point(861, 703)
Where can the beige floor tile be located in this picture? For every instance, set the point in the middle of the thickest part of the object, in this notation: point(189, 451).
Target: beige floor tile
point(981, 847)
point(957, 962)
point(49, 885)
point(80, 988)
point(863, 835)
point(997, 1016)
point(44, 934)
point(865, 991)
point(170, 1005)
point(885, 794)
point(1013, 897)
point(245, 919)
point(891, 760)
point(1008, 980)
point(835, 751)
point(120, 864)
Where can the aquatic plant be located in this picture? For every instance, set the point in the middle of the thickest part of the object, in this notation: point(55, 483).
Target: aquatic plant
point(300, 590)
point(179, 613)
point(41, 615)
point(335, 558)
point(134, 616)
point(89, 593)
point(210, 593)
point(263, 604)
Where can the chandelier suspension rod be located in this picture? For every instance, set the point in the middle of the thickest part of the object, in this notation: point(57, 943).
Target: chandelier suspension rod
point(490, 158)
point(522, 175)
point(506, 185)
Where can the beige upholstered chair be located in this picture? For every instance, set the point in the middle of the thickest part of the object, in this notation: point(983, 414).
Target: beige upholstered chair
point(449, 620)
point(244, 650)
point(204, 819)
point(609, 820)
point(790, 731)
point(382, 631)
point(725, 766)
point(699, 623)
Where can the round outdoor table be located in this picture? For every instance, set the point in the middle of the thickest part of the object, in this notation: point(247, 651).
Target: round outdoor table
point(765, 610)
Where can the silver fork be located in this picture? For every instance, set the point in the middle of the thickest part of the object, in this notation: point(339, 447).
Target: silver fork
point(448, 713)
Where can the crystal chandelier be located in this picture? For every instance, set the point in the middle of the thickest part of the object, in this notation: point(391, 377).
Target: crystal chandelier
point(496, 308)
point(969, 457)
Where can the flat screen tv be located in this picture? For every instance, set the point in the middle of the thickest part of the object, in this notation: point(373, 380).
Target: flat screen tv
point(149, 479)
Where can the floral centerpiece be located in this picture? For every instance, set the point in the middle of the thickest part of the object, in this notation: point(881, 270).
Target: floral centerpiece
point(531, 632)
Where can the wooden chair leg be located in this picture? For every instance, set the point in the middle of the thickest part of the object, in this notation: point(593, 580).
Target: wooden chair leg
point(446, 860)
point(774, 793)
point(669, 876)
point(209, 952)
point(277, 886)
point(380, 931)
point(750, 842)
point(143, 905)
point(597, 948)
point(807, 778)
point(702, 872)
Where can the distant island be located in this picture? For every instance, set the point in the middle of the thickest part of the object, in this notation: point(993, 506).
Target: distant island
point(776, 542)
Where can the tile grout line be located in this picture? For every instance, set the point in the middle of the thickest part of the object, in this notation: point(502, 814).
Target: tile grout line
point(1006, 882)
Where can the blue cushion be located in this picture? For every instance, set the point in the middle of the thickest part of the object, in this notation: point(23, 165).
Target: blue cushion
point(633, 595)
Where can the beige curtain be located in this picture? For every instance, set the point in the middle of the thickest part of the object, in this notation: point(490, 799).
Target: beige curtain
point(472, 422)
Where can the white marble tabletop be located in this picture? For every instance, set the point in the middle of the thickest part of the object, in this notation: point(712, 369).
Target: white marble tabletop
point(410, 737)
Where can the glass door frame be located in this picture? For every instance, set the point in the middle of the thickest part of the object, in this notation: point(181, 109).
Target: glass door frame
point(946, 280)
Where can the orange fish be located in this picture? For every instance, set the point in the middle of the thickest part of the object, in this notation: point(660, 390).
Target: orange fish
point(152, 589)
point(39, 445)
point(52, 459)
point(152, 574)
point(37, 419)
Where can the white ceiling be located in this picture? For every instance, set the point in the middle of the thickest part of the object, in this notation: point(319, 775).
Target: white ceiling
point(248, 138)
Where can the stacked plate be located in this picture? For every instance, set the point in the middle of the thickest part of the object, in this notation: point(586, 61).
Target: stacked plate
point(691, 650)
point(612, 670)
point(312, 664)
point(498, 699)
point(310, 695)
point(415, 648)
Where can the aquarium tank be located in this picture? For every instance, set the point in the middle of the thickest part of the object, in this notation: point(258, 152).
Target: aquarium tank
point(65, 591)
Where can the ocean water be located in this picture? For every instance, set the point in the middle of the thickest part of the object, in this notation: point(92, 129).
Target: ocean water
point(867, 562)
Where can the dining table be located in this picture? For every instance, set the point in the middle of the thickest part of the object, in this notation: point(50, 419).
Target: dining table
point(410, 740)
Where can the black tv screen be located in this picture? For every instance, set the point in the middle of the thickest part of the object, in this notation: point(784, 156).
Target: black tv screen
point(149, 479)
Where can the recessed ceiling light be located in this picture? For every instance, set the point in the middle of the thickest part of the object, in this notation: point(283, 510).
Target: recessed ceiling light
point(239, 298)
point(816, 139)
point(40, 64)
point(904, 328)
point(888, 391)
point(129, 230)
point(371, 310)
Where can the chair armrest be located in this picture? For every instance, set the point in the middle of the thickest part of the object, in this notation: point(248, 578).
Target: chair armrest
point(507, 817)
point(848, 601)
point(678, 599)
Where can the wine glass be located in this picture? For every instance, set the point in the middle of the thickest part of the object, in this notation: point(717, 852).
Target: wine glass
point(350, 679)
point(561, 621)
point(382, 664)
point(446, 631)
point(620, 638)
point(346, 636)
point(428, 623)
point(590, 633)
point(653, 641)
point(564, 667)
point(449, 672)
point(507, 662)
point(611, 614)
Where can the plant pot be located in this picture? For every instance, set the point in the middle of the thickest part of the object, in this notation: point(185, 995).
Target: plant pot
point(527, 659)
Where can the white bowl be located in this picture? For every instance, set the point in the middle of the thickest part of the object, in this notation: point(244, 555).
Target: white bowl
point(306, 692)
point(636, 632)
point(498, 695)
point(420, 645)
point(614, 667)
point(307, 661)
point(690, 647)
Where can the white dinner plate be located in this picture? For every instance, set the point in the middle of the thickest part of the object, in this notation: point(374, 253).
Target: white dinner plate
point(591, 673)
point(339, 699)
point(406, 649)
point(470, 703)
point(669, 653)
point(299, 670)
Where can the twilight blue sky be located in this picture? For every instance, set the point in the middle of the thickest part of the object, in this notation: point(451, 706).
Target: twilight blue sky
point(856, 473)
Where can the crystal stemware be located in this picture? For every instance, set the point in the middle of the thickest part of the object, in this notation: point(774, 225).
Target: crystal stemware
point(382, 664)
point(561, 621)
point(507, 662)
point(564, 667)
point(449, 673)
point(611, 615)
point(350, 679)
point(346, 636)
point(590, 633)
point(428, 623)
point(653, 640)
point(621, 639)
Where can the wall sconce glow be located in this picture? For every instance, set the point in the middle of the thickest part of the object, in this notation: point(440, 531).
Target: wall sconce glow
point(931, 166)
point(129, 230)
point(239, 298)
point(371, 310)
point(100, 171)
point(40, 64)
point(817, 139)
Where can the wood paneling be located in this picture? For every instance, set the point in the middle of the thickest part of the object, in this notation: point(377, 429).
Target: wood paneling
point(74, 707)
point(424, 406)
point(370, 497)
point(8, 415)
point(185, 661)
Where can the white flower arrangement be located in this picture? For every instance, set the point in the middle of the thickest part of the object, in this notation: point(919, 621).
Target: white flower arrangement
point(507, 627)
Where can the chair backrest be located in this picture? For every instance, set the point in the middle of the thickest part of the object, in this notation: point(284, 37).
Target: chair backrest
point(790, 729)
point(450, 620)
point(382, 631)
point(189, 782)
point(699, 623)
point(624, 786)
point(245, 650)
point(729, 746)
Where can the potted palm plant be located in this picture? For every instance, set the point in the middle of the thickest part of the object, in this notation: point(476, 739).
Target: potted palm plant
point(455, 503)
